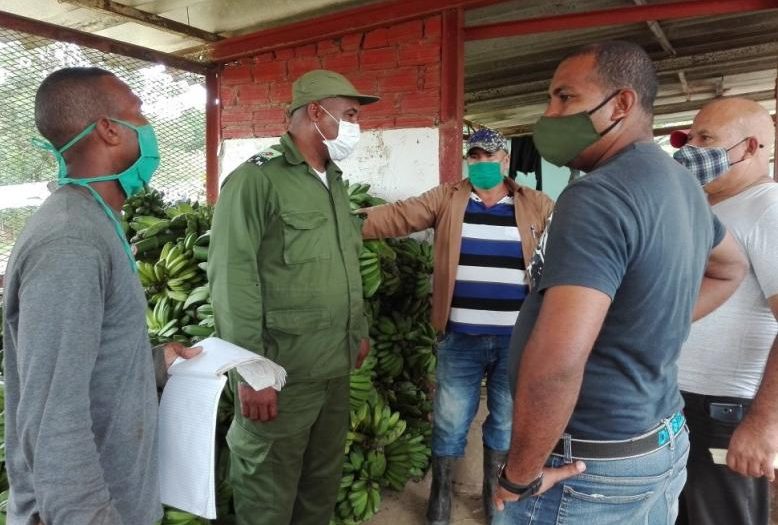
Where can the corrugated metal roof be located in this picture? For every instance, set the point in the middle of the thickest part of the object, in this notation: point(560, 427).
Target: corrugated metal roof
point(505, 79)
point(697, 59)
point(221, 17)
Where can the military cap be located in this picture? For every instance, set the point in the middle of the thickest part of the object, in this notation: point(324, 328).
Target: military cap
point(320, 84)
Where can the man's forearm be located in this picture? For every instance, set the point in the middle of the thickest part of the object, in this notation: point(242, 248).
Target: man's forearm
point(545, 398)
point(713, 293)
point(765, 405)
point(727, 267)
point(550, 375)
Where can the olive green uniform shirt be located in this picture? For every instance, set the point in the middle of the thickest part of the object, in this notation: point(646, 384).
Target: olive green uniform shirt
point(283, 265)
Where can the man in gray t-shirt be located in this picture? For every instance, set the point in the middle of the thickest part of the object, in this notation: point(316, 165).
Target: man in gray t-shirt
point(81, 402)
point(614, 287)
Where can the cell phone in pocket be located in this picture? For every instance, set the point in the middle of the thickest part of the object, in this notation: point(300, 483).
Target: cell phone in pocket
point(726, 412)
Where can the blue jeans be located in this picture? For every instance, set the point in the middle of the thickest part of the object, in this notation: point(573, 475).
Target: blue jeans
point(639, 490)
point(462, 362)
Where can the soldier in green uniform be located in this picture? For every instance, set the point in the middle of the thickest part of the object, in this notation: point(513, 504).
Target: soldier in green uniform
point(285, 283)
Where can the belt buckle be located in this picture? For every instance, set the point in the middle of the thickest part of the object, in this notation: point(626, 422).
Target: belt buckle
point(675, 423)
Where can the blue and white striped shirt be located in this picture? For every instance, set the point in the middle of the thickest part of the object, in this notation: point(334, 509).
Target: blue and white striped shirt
point(491, 276)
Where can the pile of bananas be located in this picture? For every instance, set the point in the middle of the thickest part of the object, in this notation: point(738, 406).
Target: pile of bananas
point(360, 198)
point(178, 517)
point(150, 224)
point(414, 262)
point(404, 346)
point(147, 202)
point(388, 442)
point(175, 273)
point(171, 248)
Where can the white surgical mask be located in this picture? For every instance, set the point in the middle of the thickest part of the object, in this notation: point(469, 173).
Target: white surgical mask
point(343, 145)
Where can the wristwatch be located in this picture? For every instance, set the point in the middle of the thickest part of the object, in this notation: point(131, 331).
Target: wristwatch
point(520, 490)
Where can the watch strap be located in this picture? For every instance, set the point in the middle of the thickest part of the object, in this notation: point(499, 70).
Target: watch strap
point(520, 490)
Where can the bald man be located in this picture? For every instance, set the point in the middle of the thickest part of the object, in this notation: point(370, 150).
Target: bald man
point(728, 370)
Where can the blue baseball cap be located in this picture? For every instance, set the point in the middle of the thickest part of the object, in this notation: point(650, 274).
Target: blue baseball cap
point(487, 139)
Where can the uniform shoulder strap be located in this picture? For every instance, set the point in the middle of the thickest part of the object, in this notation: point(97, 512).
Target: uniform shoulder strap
point(265, 155)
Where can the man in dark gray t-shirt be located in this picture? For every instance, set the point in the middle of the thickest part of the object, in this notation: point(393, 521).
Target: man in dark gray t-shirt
point(81, 401)
point(615, 284)
point(637, 230)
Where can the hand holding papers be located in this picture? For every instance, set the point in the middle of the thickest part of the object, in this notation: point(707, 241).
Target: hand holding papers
point(187, 420)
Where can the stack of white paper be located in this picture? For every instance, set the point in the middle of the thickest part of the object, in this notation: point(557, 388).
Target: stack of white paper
point(187, 420)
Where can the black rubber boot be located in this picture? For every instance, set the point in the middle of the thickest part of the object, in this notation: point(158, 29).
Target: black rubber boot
point(439, 506)
point(493, 460)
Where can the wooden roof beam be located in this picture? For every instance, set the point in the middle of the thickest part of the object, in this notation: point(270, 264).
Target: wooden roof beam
point(695, 105)
point(148, 19)
point(664, 42)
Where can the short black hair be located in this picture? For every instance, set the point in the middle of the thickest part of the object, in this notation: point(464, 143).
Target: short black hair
point(621, 64)
point(70, 99)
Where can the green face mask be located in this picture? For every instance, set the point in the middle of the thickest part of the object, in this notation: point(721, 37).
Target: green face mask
point(484, 175)
point(559, 140)
point(132, 180)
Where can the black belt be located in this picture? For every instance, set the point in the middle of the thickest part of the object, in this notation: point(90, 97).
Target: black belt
point(653, 440)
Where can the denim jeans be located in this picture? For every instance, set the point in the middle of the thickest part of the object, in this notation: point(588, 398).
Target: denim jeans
point(640, 490)
point(462, 362)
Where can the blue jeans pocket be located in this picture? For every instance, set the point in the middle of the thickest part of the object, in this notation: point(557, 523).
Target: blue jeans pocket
point(618, 501)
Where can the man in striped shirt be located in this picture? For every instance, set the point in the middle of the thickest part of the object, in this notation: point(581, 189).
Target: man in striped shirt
point(486, 227)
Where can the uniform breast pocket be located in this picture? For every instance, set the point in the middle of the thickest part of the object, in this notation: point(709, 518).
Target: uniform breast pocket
point(304, 233)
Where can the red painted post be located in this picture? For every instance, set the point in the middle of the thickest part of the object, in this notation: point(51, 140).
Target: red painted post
point(452, 96)
point(212, 133)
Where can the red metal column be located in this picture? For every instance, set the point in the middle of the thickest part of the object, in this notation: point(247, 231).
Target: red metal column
point(617, 16)
point(212, 133)
point(452, 94)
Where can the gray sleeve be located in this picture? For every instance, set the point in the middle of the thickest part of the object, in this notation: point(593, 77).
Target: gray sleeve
point(61, 300)
point(589, 240)
point(719, 230)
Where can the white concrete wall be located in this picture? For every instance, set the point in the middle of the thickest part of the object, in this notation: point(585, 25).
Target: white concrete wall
point(23, 195)
point(397, 163)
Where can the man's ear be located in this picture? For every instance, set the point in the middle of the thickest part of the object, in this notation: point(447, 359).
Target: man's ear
point(314, 112)
point(626, 101)
point(108, 131)
point(753, 146)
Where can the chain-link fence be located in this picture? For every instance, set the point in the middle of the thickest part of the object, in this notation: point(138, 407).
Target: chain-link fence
point(173, 101)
